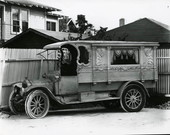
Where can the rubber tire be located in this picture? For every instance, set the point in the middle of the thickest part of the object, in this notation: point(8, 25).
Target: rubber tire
point(143, 100)
point(28, 101)
point(12, 107)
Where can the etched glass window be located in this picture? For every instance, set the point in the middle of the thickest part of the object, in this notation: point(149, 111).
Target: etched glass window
point(84, 55)
point(121, 56)
point(66, 56)
point(101, 56)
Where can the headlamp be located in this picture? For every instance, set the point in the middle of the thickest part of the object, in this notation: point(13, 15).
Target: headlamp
point(26, 83)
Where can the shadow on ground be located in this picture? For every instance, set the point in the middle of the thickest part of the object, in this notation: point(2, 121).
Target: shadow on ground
point(93, 111)
point(159, 101)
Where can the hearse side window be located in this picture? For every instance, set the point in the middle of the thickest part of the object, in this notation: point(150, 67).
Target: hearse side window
point(120, 56)
point(84, 55)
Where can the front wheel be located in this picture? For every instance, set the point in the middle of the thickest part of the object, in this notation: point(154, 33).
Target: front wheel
point(16, 104)
point(133, 98)
point(37, 104)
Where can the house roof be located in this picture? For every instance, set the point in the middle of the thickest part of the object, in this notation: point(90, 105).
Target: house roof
point(31, 38)
point(36, 38)
point(70, 21)
point(30, 3)
point(160, 24)
point(144, 29)
point(55, 15)
point(57, 35)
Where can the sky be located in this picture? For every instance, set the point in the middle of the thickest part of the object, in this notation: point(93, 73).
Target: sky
point(106, 13)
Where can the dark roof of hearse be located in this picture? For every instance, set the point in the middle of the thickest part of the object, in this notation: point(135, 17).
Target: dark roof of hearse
point(101, 43)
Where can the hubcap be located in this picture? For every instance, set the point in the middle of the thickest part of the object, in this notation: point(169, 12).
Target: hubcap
point(133, 99)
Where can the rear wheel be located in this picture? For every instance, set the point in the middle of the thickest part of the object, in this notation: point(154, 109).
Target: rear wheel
point(133, 98)
point(37, 104)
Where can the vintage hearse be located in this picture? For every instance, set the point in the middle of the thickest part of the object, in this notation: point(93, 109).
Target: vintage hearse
point(89, 72)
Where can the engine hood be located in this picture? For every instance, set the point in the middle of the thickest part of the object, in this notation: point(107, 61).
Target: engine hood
point(27, 85)
point(47, 82)
point(41, 82)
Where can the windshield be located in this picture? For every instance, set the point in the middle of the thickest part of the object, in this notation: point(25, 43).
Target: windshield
point(50, 54)
point(52, 59)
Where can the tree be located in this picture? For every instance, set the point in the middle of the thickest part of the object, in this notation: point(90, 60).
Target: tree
point(82, 24)
point(100, 35)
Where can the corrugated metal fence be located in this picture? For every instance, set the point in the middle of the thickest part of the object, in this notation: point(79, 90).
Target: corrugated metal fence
point(163, 62)
point(16, 64)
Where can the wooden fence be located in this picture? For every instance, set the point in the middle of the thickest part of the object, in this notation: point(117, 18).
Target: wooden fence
point(16, 64)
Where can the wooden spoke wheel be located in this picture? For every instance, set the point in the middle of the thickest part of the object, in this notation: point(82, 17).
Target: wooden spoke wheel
point(133, 98)
point(37, 104)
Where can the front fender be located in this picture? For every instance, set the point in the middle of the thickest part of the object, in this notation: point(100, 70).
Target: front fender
point(45, 90)
point(18, 84)
point(121, 89)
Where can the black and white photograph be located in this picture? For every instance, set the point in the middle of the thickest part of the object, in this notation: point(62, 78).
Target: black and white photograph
point(84, 67)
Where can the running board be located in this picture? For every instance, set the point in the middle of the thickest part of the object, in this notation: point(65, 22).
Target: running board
point(88, 101)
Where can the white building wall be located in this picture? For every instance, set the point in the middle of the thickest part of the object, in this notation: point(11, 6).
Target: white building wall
point(37, 20)
point(7, 24)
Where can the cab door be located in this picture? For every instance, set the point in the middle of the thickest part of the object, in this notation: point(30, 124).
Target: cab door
point(68, 85)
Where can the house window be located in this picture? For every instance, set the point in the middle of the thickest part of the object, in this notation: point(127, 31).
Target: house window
point(19, 20)
point(51, 26)
point(24, 16)
point(121, 56)
point(16, 18)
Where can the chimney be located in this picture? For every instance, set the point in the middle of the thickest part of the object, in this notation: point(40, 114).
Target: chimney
point(121, 22)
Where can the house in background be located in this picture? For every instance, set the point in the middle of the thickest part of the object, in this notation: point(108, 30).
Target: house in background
point(141, 30)
point(17, 16)
point(66, 24)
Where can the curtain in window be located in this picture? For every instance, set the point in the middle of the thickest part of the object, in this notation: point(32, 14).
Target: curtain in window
point(124, 56)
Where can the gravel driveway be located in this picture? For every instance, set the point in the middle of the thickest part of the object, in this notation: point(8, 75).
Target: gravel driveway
point(96, 121)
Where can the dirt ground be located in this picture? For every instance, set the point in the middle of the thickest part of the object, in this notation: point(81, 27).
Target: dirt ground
point(97, 121)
